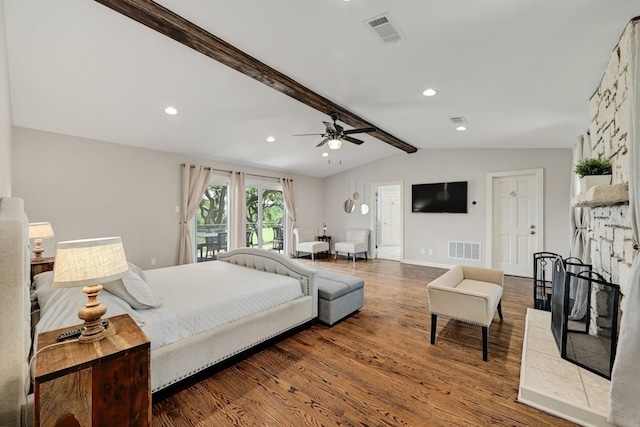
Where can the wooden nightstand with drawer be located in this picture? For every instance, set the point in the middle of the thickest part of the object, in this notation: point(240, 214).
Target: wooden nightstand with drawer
point(41, 265)
point(102, 383)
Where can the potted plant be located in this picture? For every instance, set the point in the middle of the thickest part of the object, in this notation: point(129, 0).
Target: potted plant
point(593, 171)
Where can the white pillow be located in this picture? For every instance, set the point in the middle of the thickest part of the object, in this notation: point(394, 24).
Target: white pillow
point(59, 306)
point(134, 290)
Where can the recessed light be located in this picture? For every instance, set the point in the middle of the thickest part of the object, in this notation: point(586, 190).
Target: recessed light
point(270, 139)
point(461, 128)
point(325, 154)
point(429, 92)
point(171, 111)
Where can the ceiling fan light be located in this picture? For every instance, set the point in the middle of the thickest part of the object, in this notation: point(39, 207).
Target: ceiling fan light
point(334, 144)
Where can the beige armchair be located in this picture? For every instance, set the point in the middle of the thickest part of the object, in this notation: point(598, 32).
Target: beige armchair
point(306, 242)
point(356, 241)
point(469, 294)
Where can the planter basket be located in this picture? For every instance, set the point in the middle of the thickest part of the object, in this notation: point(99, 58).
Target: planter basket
point(588, 181)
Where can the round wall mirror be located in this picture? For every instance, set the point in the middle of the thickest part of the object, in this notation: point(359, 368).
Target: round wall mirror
point(364, 208)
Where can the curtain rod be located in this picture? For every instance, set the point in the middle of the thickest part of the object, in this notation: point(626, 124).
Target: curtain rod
point(230, 172)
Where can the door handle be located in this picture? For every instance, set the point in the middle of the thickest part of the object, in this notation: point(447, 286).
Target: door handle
point(533, 232)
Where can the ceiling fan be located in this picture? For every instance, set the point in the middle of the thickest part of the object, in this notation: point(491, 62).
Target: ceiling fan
point(334, 134)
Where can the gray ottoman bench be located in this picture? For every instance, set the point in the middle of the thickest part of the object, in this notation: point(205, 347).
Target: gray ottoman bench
point(339, 295)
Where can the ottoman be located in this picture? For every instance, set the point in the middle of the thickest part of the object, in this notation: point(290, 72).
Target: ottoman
point(339, 295)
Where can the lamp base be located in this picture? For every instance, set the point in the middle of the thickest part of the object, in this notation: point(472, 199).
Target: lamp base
point(92, 314)
point(37, 251)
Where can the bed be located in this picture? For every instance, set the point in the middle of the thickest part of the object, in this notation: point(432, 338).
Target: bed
point(257, 295)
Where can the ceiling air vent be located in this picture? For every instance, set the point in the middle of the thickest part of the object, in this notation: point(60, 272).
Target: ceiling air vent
point(458, 120)
point(383, 27)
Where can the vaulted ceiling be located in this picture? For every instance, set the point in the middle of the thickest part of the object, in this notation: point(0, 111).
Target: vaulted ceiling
point(520, 73)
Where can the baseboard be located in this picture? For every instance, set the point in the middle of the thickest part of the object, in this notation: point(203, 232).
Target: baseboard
point(427, 263)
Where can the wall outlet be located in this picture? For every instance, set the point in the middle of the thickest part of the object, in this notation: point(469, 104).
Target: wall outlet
point(153, 261)
point(430, 251)
point(422, 251)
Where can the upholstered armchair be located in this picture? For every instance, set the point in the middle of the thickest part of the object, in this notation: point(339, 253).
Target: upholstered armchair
point(466, 293)
point(306, 242)
point(356, 241)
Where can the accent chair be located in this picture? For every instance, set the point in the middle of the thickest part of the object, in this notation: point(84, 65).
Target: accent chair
point(306, 242)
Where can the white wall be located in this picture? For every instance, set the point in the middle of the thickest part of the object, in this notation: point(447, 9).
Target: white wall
point(5, 112)
point(433, 231)
point(89, 188)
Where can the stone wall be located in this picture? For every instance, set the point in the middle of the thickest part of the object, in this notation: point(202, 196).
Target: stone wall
point(610, 231)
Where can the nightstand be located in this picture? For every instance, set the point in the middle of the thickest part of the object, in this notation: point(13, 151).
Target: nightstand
point(102, 383)
point(42, 265)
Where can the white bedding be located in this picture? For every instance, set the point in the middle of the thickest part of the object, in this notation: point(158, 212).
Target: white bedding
point(195, 298)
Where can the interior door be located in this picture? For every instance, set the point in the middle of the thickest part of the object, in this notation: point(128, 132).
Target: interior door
point(516, 222)
point(390, 218)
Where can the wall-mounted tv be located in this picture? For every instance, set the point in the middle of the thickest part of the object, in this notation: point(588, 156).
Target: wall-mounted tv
point(442, 197)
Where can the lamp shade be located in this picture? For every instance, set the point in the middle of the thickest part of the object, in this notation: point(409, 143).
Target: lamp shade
point(89, 262)
point(40, 230)
point(334, 144)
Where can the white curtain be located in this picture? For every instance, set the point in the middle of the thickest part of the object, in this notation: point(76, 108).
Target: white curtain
point(287, 190)
point(238, 211)
point(580, 243)
point(194, 182)
point(625, 378)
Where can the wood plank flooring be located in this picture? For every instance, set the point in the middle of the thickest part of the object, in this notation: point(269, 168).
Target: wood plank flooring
point(375, 368)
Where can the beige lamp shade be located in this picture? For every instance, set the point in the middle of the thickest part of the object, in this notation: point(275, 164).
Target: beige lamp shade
point(88, 262)
point(40, 230)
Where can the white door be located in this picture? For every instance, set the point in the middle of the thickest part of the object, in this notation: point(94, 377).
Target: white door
point(516, 221)
point(391, 218)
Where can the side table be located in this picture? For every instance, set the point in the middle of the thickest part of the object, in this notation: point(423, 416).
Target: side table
point(102, 383)
point(325, 238)
point(41, 265)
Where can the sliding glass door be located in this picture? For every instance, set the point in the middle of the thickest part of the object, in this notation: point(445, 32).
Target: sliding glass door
point(265, 216)
point(212, 221)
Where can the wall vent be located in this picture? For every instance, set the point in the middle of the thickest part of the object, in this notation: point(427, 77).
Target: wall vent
point(384, 27)
point(464, 250)
point(458, 120)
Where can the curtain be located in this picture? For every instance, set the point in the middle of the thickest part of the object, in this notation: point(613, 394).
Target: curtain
point(194, 182)
point(625, 386)
point(287, 190)
point(580, 243)
point(238, 211)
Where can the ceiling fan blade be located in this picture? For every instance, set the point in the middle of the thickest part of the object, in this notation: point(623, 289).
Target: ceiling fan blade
point(361, 130)
point(308, 134)
point(352, 139)
point(339, 128)
point(330, 127)
point(324, 141)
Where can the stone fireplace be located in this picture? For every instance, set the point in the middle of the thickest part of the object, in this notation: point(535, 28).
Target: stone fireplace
point(548, 381)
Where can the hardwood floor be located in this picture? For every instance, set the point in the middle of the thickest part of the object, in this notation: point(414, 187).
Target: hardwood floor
point(375, 368)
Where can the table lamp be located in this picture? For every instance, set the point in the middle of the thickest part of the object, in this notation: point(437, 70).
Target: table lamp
point(88, 263)
point(39, 231)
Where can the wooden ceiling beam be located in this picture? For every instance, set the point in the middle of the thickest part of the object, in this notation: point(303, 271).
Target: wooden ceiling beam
point(174, 26)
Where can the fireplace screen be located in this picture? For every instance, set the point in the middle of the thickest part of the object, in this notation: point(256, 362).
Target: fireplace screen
point(584, 316)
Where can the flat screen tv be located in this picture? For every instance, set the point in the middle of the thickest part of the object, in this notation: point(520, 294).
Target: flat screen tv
point(442, 197)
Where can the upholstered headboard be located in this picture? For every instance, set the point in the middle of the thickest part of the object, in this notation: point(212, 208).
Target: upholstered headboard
point(15, 323)
point(271, 262)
